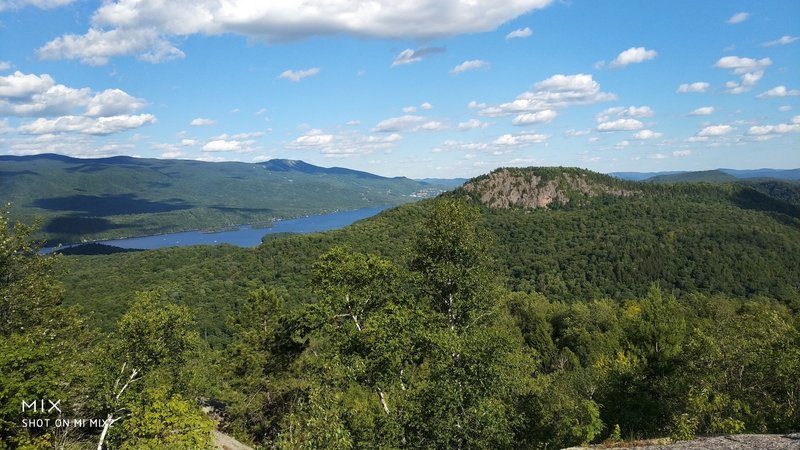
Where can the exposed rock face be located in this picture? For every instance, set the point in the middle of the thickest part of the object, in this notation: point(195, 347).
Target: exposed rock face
point(524, 188)
point(735, 442)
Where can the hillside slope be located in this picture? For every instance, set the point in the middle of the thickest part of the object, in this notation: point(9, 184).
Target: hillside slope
point(711, 239)
point(123, 196)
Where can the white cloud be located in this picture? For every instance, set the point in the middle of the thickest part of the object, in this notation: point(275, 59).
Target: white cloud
point(646, 134)
point(409, 56)
point(472, 124)
point(784, 40)
point(657, 156)
point(703, 111)
point(113, 102)
point(409, 109)
point(314, 138)
point(558, 91)
point(41, 4)
point(75, 110)
point(86, 125)
point(782, 128)
point(620, 125)
point(5, 65)
point(238, 143)
point(633, 55)
point(571, 133)
point(39, 95)
point(425, 106)
point(545, 116)
point(202, 122)
point(785, 108)
point(715, 130)
point(699, 86)
point(402, 123)
point(681, 153)
point(517, 140)
point(738, 18)
point(779, 91)
point(618, 111)
point(742, 65)
point(473, 64)
point(297, 75)
point(519, 33)
point(433, 125)
point(279, 22)
point(344, 145)
point(97, 46)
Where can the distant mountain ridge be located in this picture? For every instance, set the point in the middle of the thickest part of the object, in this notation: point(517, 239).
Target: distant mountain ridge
point(716, 175)
point(124, 196)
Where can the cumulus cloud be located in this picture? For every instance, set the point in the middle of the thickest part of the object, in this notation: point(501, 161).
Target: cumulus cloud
point(473, 64)
point(409, 56)
point(545, 116)
point(782, 128)
point(97, 46)
point(647, 134)
point(472, 124)
point(75, 110)
point(742, 65)
point(519, 33)
point(433, 125)
point(620, 125)
point(225, 145)
point(425, 106)
point(39, 95)
point(572, 133)
point(297, 75)
point(633, 55)
point(738, 18)
point(278, 22)
point(779, 91)
point(715, 130)
point(344, 145)
point(86, 125)
point(498, 146)
point(698, 86)
point(681, 153)
point(113, 102)
point(402, 123)
point(41, 4)
point(619, 111)
point(558, 91)
point(202, 122)
point(5, 65)
point(751, 70)
point(703, 111)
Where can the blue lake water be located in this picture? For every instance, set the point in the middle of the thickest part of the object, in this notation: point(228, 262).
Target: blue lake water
point(245, 236)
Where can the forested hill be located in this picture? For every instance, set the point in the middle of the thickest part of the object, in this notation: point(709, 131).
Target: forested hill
point(124, 196)
point(598, 237)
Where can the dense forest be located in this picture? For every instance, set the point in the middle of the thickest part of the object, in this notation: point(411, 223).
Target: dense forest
point(579, 309)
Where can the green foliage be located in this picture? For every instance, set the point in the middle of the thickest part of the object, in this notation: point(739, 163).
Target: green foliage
point(41, 341)
point(166, 422)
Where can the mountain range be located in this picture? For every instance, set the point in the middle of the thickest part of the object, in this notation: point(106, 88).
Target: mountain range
point(87, 199)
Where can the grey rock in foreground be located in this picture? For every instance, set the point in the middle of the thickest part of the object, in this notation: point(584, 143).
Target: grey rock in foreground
point(735, 442)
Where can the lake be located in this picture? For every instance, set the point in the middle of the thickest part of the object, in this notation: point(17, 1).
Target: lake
point(244, 236)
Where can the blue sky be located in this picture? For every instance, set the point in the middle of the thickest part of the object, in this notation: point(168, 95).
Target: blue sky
point(422, 88)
